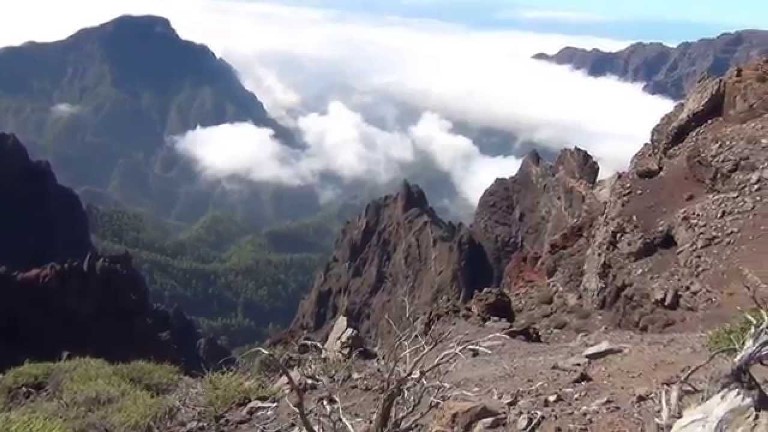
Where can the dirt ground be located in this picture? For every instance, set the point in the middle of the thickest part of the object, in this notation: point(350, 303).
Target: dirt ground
point(619, 392)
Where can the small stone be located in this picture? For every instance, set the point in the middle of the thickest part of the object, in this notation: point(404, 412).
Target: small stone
point(582, 377)
point(602, 350)
point(256, 407)
point(601, 402)
point(524, 422)
point(490, 424)
point(552, 399)
point(572, 364)
point(641, 394)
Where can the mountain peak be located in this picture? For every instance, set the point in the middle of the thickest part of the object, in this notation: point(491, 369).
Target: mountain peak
point(139, 23)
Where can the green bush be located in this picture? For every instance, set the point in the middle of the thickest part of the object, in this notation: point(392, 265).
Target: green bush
point(224, 390)
point(33, 376)
point(734, 334)
point(87, 394)
point(15, 422)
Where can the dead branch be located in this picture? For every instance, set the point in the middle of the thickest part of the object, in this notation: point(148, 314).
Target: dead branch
point(298, 391)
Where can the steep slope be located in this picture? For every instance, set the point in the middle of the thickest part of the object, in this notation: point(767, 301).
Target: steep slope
point(665, 245)
point(677, 233)
point(397, 249)
point(60, 298)
point(668, 71)
point(101, 104)
point(518, 219)
point(690, 216)
point(41, 221)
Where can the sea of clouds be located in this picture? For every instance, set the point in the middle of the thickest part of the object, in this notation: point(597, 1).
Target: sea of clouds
point(378, 98)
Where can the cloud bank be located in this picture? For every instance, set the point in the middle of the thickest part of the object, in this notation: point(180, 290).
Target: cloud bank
point(377, 97)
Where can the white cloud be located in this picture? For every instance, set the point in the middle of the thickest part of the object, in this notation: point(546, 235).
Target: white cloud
point(64, 110)
point(471, 172)
point(239, 149)
point(341, 143)
point(300, 60)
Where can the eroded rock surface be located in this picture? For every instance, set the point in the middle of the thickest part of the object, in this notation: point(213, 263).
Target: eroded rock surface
point(397, 258)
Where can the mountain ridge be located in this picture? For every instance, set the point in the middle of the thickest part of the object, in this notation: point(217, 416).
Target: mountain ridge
point(631, 251)
point(668, 71)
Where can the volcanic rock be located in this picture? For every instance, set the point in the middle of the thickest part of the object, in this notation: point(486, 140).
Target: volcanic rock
point(396, 259)
point(537, 212)
point(41, 221)
point(492, 303)
point(652, 254)
point(57, 297)
point(98, 307)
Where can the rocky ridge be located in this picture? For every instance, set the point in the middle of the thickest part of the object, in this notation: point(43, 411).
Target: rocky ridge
point(42, 221)
point(60, 298)
point(662, 245)
point(665, 70)
point(397, 250)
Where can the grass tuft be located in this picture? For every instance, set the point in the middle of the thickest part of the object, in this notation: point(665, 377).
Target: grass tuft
point(228, 389)
point(732, 335)
point(85, 395)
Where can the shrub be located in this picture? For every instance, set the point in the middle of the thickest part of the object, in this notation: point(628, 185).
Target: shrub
point(732, 335)
point(15, 422)
point(87, 394)
point(224, 390)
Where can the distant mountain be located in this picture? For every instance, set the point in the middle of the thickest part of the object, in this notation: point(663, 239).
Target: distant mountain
point(668, 71)
point(100, 105)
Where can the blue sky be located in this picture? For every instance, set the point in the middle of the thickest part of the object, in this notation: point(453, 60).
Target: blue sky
point(648, 20)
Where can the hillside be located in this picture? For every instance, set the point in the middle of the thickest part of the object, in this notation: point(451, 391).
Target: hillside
point(665, 70)
point(635, 249)
point(61, 297)
point(101, 105)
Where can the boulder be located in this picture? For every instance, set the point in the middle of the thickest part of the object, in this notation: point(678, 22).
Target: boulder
point(343, 341)
point(492, 303)
point(601, 350)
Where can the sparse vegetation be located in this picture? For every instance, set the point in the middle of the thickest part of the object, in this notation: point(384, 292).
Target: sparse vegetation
point(734, 334)
point(227, 389)
point(85, 395)
point(15, 422)
point(219, 271)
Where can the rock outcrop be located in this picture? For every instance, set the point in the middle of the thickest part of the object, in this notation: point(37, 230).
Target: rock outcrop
point(676, 236)
point(397, 258)
point(664, 244)
point(40, 221)
point(668, 71)
point(60, 298)
point(98, 307)
point(535, 213)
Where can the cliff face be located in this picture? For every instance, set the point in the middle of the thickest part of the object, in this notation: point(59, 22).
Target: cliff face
point(397, 249)
point(519, 219)
point(98, 308)
point(58, 298)
point(668, 71)
point(689, 217)
point(666, 244)
point(41, 221)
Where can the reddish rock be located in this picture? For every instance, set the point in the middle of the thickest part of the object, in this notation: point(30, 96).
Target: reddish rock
point(398, 249)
